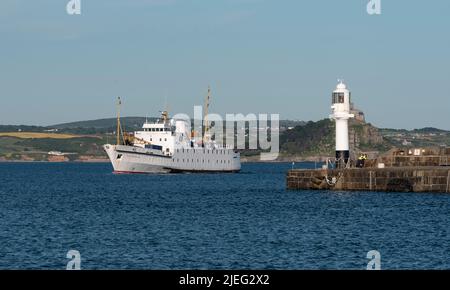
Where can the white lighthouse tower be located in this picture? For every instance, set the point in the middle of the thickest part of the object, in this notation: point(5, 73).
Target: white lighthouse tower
point(340, 109)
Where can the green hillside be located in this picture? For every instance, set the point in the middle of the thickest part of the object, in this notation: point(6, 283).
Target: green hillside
point(314, 138)
point(298, 140)
point(317, 139)
point(103, 126)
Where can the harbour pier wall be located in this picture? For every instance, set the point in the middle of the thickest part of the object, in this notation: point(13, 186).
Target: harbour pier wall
point(392, 179)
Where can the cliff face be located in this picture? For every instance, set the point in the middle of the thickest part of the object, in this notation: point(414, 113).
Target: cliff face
point(365, 137)
point(318, 139)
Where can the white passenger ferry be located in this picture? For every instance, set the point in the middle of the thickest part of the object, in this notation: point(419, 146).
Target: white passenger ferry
point(169, 146)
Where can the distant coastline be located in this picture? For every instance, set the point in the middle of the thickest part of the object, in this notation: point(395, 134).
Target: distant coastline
point(299, 141)
point(46, 161)
point(318, 159)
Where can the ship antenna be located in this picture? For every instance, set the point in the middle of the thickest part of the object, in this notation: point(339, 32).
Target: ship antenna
point(205, 116)
point(165, 112)
point(119, 102)
point(165, 102)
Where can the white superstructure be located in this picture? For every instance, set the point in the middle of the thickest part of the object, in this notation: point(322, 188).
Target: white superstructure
point(169, 146)
point(341, 114)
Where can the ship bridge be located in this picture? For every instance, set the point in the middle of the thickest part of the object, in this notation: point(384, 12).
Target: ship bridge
point(157, 127)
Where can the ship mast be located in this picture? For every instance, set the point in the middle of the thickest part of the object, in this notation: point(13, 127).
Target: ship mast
point(205, 116)
point(119, 102)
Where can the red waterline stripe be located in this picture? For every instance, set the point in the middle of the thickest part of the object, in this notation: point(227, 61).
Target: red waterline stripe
point(130, 172)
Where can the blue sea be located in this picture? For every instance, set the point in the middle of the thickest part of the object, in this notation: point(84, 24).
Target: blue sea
point(210, 221)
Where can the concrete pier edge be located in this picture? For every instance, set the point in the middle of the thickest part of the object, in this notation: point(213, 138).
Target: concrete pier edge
point(394, 179)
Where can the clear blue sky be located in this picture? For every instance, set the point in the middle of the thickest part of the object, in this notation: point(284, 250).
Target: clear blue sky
point(258, 55)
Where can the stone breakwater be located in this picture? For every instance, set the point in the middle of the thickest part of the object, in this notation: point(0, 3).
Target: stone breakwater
point(396, 179)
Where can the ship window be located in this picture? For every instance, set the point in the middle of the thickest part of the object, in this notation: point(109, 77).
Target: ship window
point(165, 139)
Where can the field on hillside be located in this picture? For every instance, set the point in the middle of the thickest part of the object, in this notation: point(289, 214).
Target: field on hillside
point(37, 135)
point(27, 146)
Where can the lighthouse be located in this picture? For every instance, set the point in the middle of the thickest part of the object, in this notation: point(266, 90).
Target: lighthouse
point(340, 109)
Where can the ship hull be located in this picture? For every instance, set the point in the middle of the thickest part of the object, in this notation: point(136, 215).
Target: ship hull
point(131, 159)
